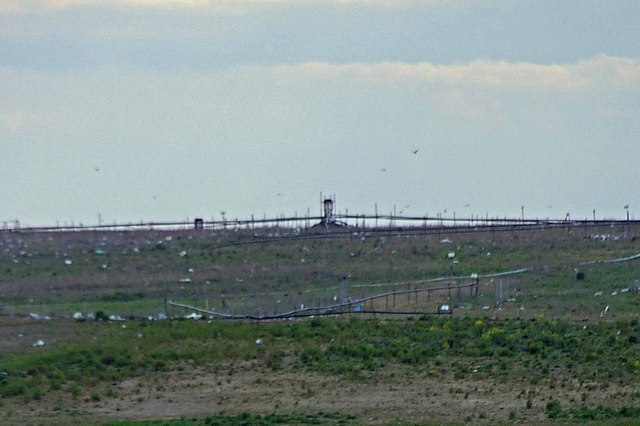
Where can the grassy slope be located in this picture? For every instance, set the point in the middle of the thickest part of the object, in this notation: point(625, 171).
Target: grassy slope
point(528, 353)
point(532, 342)
point(130, 273)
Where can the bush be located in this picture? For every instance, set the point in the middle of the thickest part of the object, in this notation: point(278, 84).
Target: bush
point(13, 387)
point(273, 359)
point(554, 410)
point(102, 316)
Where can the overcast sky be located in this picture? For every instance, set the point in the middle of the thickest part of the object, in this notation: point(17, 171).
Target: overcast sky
point(166, 110)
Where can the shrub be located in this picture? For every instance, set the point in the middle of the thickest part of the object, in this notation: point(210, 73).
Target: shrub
point(554, 410)
point(101, 316)
point(273, 359)
point(13, 387)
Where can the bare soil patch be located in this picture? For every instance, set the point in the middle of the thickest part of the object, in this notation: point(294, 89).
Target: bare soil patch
point(383, 397)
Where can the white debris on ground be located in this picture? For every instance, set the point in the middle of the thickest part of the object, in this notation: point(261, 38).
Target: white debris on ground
point(451, 254)
point(185, 280)
point(39, 343)
point(78, 316)
point(259, 341)
point(68, 261)
point(193, 316)
point(604, 237)
point(614, 292)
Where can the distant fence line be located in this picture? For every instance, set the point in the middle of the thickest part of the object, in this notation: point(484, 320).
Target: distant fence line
point(348, 305)
point(335, 309)
point(352, 222)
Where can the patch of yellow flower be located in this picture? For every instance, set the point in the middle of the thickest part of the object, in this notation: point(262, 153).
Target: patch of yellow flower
point(493, 330)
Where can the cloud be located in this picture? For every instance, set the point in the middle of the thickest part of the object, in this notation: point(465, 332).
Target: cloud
point(485, 130)
point(223, 6)
point(477, 90)
point(612, 70)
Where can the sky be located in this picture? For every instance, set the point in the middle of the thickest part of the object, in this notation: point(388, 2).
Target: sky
point(153, 110)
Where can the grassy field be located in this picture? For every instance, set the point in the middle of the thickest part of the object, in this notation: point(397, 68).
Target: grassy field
point(541, 347)
point(132, 273)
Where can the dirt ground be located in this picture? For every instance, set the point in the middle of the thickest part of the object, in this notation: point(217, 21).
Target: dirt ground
point(390, 394)
point(387, 396)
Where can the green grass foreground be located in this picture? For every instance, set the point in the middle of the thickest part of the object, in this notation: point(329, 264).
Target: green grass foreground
point(468, 348)
point(248, 419)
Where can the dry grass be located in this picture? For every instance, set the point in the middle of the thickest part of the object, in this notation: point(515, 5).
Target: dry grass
point(142, 268)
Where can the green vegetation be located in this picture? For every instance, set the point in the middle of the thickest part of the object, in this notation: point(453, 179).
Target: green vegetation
point(467, 348)
point(559, 345)
point(555, 411)
point(131, 273)
point(248, 419)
